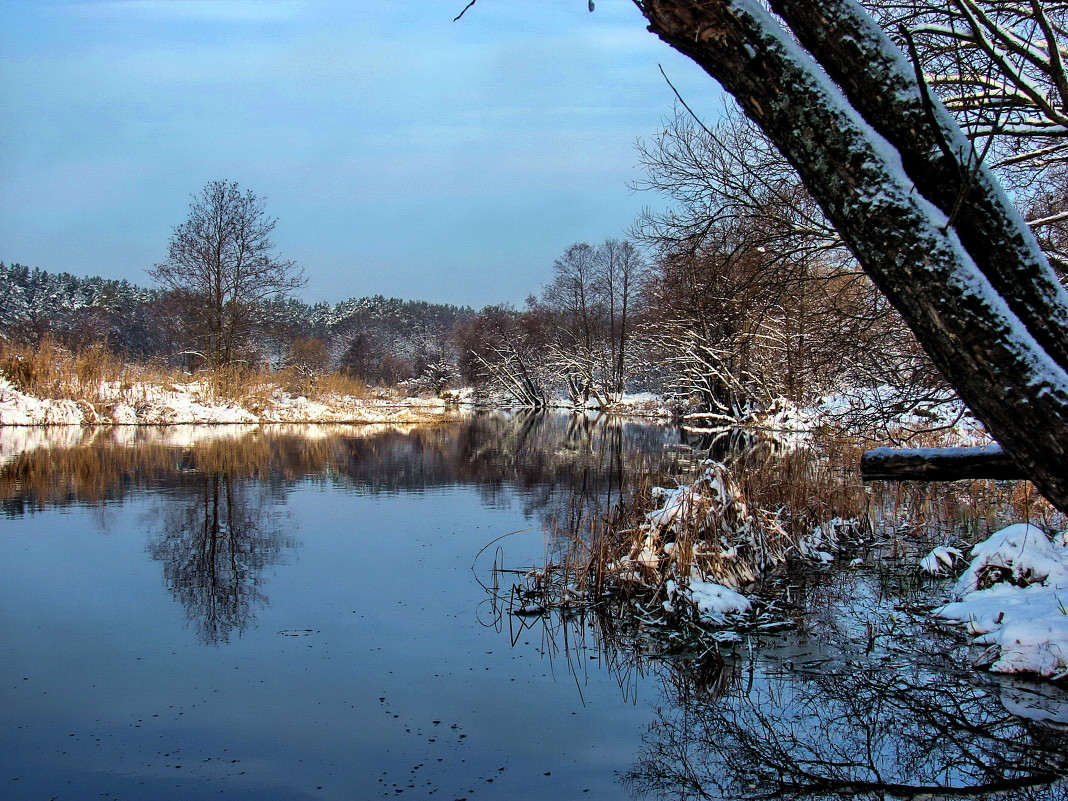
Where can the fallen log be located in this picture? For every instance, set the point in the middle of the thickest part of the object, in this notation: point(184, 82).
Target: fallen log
point(939, 464)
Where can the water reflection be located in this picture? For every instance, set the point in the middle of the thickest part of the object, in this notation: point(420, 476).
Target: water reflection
point(846, 704)
point(874, 732)
point(217, 522)
point(861, 698)
point(215, 538)
point(540, 454)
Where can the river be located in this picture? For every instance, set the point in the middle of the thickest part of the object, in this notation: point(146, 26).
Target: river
point(309, 613)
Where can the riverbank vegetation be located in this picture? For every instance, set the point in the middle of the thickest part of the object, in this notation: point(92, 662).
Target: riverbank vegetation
point(693, 561)
point(52, 384)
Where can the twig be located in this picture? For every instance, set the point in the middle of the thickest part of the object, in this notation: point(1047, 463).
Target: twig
point(482, 550)
point(457, 17)
point(685, 105)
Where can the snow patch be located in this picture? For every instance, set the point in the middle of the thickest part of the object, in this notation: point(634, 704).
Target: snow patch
point(192, 403)
point(1013, 598)
point(941, 560)
point(714, 602)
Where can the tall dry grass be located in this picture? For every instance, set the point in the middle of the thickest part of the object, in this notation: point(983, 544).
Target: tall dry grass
point(93, 374)
point(53, 370)
point(256, 388)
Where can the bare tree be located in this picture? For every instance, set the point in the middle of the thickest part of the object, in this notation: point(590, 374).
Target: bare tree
point(756, 296)
point(503, 351)
point(1000, 67)
point(1047, 214)
point(221, 269)
point(621, 271)
point(727, 171)
point(574, 299)
point(899, 181)
point(592, 300)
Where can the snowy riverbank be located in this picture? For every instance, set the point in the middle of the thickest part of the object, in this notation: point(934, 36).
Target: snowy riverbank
point(706, 543)
point(193, 403)
point(1013, 598)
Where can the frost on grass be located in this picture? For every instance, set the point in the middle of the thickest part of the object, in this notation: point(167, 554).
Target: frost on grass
point(1013, 598)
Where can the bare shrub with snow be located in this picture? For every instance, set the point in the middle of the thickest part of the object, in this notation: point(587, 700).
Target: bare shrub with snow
point(704, 531)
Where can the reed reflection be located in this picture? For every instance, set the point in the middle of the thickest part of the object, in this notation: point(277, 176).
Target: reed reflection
point(539, 456)
point(857, 696)
point(215, 526)
point(215, 537)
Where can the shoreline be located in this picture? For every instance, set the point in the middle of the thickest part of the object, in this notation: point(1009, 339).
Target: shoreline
point(193, 404)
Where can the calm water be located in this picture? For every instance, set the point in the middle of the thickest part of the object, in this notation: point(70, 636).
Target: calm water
point(300, 613)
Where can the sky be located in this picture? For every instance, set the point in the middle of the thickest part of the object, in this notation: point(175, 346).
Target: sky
point(402, 153)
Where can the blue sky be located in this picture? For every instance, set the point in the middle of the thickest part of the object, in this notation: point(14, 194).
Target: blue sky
point(402, 153)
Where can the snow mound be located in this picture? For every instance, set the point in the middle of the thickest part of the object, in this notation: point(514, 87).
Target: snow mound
point(1014, 599)
point(714, 602)
point(1020, 554)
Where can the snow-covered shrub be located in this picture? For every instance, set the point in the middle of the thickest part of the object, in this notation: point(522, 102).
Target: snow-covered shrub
point(699, 548)
point(1013, 598)
point(432, 381)
point(1021, 555)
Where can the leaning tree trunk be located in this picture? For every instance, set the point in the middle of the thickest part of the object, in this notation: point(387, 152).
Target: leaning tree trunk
point(895, 176)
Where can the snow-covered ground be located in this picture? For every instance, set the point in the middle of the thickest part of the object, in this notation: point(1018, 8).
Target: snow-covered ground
point(639, 404)
point(1013, 598)
point(192, 403)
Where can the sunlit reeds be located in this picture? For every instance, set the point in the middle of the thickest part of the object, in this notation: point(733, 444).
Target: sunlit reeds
point(52, 370)
point(256, 387)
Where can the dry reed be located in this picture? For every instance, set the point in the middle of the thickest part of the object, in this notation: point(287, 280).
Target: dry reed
point(257, 387)
point(742, 522)
point(53, 370)
point(93, 375)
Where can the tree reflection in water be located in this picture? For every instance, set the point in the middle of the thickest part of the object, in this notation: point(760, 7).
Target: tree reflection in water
point(879, 733)
point(878, 721)
point(214, 539)
point(213, 530)
point(887, 726)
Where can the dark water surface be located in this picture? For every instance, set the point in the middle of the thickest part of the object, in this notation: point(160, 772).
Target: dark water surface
point(299, 613)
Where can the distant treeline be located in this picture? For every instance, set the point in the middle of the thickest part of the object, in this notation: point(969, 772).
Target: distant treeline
point(378, 339)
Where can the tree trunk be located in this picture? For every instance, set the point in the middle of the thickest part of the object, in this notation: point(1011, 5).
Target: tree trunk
point(938, 464)
point(995, 326)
